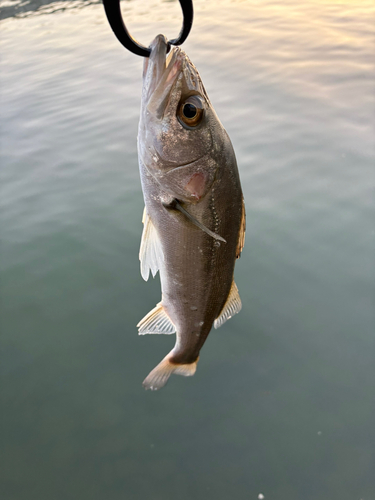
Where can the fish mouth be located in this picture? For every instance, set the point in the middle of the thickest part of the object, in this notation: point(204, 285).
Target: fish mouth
point(160, 73)
point(166, 75)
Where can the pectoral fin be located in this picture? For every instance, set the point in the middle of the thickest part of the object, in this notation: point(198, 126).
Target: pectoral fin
point(231, 307)
point(176, 205)
point(151, 252)
point(156, 321)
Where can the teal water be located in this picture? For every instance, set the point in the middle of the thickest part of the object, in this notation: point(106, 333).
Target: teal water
point(282, 403)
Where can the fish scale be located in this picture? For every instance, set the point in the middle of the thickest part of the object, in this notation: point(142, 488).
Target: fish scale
point(195, 218)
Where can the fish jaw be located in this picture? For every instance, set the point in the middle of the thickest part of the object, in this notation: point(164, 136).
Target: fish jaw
point(160, 74)
point(154, 66)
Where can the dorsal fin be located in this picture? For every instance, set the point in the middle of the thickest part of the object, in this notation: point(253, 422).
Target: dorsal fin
point(156, 321)
point(231, 307)
point(241, 236)
point(150, 253)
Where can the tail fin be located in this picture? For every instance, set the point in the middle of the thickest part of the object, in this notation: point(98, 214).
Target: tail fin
point(159, 376)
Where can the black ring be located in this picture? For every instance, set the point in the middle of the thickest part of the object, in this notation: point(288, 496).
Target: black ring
point(114, 16)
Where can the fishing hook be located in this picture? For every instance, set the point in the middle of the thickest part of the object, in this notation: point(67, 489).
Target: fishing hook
point(114, 16)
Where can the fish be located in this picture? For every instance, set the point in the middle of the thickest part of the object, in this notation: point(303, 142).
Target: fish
point(194, 219)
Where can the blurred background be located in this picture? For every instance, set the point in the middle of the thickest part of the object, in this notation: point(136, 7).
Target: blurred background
point(282, 404)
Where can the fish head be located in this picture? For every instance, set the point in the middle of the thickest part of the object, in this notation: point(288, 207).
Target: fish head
point(179, 132)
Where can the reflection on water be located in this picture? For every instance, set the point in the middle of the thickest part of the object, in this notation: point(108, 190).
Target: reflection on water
point(19, 8)
point(282, 401)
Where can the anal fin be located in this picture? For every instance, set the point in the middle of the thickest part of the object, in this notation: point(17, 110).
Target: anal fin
point(151, 252)
point(156, 321)
point(231, 307)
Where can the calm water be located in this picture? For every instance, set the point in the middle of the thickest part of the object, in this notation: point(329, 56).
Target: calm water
point(282, 403)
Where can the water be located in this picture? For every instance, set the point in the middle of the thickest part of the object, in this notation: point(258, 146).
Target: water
point(282, 404)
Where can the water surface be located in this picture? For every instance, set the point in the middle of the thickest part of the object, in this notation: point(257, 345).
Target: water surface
point(282, 403)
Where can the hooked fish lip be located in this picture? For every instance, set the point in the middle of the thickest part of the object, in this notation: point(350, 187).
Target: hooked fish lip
point(161, 71)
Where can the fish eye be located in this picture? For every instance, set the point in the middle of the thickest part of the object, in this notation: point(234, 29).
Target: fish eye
point(190, 111)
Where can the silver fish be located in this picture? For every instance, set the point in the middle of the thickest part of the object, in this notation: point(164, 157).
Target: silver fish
point(194, 218)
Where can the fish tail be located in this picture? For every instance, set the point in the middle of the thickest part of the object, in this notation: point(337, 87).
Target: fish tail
point(159, 376)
